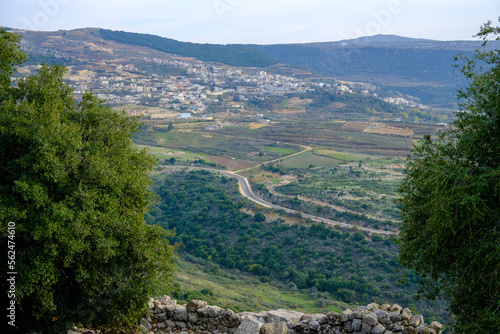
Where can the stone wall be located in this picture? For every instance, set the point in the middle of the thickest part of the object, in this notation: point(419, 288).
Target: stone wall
point(167, 316)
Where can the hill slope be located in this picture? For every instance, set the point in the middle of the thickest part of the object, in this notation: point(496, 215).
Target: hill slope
point(232, 54)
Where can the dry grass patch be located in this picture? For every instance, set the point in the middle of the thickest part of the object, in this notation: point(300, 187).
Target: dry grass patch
point(354, 126)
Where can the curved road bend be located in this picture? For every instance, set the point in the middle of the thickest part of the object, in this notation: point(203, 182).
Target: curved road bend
point(247, 192)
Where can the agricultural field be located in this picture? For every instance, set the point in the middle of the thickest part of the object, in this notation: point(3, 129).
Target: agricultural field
point(348, 171)
point(230, 151)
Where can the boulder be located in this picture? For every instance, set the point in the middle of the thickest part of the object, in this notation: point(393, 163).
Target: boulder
point(365, 328)
point(213, 311)
point(346, 315)
point(436, 326)
point(290, 317)
point(194, 305)
point(410, 330)
point(395, 308)
point(249, 325)
point(371, 319)
point(395, 316)
point(416, 320)
point(229, 319)
point(382, 316)
point(180, 314)
point(333, 318)
point(356, 324)
point(378, 329)
point(406, 314)
point(360, 311)
point(274, 328)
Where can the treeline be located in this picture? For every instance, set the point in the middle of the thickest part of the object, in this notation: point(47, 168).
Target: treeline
point(204, 210)
point(231, 54)
point(351, 103)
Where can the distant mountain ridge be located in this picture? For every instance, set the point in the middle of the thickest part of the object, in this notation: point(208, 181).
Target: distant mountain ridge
point(231, 54)
point(386, 59)
point(419, 67)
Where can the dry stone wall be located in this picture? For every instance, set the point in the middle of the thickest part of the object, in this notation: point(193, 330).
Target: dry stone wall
point(167, 316)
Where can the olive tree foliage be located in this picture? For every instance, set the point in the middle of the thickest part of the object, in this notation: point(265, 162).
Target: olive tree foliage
point(77, 191)
point(451, 201)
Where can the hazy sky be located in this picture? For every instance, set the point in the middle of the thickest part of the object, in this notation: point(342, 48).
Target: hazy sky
point(258, 21)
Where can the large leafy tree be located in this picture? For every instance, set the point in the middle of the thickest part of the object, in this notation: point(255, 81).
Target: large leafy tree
point(77, 191)
point(450, 232)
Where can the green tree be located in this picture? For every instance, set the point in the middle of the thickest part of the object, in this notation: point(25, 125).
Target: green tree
point(451, 202)
point(259, 217)
point(77, 191)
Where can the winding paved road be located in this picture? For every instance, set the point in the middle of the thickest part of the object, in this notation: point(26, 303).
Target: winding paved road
point(246, 191)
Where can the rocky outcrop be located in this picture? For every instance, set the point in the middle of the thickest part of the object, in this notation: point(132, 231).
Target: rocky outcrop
point(166, 316)
point(198, 317)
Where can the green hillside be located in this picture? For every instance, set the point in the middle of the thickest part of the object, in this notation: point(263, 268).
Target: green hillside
point(214, 223)
point(231, 54)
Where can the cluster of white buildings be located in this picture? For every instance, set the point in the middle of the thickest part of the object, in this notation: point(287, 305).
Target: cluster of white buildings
point(191, 86)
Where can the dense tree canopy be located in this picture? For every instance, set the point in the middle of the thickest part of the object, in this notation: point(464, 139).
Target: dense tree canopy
point(77, 191)
point(451, 202)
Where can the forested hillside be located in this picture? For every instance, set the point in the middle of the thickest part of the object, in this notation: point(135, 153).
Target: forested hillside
point(212, 221)
point(234, 55)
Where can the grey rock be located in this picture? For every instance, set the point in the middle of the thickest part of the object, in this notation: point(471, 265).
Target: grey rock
point(385, 307)
point(370, 318)
point(181, 324)
point(436, 326)
point(222, 329)
point(378, 329)
point(395, 316)
point(170, 324)
point(314, 325)
point(360, 312)
point(406, 314)
point(301, 328)
point(162, 317)
point(373, 306)
point(395, 307)
point(346, 315)
point(410, 330)
point(290, 317)
point(275, 328)
point(144, 322)
point(192, 317)
point(416, 320)
point(382, 316)
point(229, 319)
point(333, 318)
point(180, 314)
point(194, 305)
point(356, 324)
point(171, 306)
point(249, 325)
point(348, 326)
point(213, 311)
point(203, 311)
point(158, 307)
point(398, 329)
point(365, 328)
point(421, 329)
